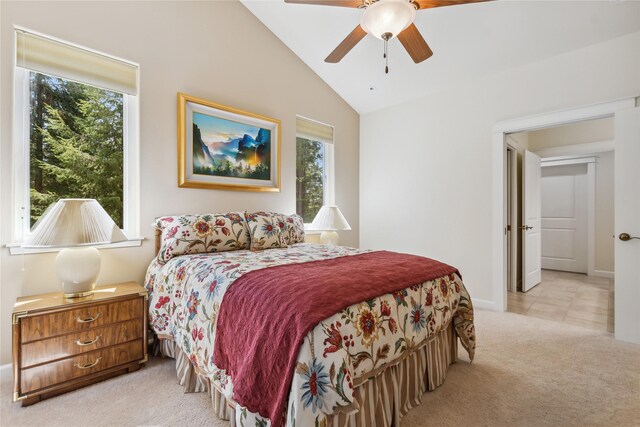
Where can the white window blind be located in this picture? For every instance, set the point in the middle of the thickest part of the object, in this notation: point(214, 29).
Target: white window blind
point(315, 131)
point(49, 56)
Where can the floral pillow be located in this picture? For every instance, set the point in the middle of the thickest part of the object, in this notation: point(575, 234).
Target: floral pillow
point(267, 230)
point(293, 229)
point(193, 234)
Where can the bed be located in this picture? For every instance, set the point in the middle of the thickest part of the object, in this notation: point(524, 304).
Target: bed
point(280, 332)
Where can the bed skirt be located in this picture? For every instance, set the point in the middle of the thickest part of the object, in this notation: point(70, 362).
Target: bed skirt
point(383, 397)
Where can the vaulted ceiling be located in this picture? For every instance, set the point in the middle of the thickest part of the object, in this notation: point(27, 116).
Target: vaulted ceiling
point(468, 41)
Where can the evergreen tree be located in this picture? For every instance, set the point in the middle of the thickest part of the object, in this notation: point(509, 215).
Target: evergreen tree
point(309, 178)
point(76, 145)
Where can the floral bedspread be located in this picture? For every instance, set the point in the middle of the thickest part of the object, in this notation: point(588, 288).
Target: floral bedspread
point(185, 296)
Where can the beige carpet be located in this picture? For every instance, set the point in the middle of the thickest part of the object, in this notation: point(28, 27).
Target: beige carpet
point(527, 372)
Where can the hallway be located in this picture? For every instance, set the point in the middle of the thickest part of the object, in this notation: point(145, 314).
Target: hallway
point(575, 299)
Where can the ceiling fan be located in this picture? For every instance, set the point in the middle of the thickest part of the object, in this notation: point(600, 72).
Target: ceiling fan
point(386, 19)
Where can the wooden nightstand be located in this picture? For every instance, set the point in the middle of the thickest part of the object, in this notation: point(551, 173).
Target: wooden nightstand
point(63, 344)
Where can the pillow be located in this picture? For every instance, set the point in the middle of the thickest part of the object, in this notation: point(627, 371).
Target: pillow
point(195, 234)
point(293, 229)
point(267, 230)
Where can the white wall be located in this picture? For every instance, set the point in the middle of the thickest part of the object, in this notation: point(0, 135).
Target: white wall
point(604, 221)
point(214, 50)
point(519, 141)
point(435, 198)
point(585, 132)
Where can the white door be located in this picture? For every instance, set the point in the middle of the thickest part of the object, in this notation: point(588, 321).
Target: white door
point(627, 220)
point(531, 247)
point(564, 217)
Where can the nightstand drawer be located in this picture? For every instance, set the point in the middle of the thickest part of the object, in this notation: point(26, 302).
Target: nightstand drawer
point(43, 351)
point(42, 376)
point(43, 326)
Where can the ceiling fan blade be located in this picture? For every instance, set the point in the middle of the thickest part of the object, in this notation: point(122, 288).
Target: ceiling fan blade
point(428, 4)
point(415, 44)
point(343, 3)
point(346, 45)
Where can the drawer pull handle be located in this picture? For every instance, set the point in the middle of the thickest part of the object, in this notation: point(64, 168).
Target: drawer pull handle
point(88, 342)
point(87, 319)
point(88, 365)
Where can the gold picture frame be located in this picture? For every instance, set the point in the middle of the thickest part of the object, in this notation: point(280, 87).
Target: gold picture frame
point(224, 148)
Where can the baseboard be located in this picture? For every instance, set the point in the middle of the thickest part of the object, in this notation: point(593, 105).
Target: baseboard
point(484, 304)
point(603, 273)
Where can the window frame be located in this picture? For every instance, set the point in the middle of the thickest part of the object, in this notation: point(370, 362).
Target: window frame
point(328, 178)
point(21, 168)
point(329, 174)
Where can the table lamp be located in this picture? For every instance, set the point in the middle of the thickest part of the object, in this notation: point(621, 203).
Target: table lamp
point(75, 225)
point(329, 220)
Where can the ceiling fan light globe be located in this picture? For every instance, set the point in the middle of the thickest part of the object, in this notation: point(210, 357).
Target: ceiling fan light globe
point(387, 16)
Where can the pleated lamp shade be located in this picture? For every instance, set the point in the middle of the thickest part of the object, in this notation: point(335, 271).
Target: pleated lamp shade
point(74, 222)
point(329, 218)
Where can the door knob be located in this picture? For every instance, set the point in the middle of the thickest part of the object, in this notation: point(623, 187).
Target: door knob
point(525, 227)
point(625, 237)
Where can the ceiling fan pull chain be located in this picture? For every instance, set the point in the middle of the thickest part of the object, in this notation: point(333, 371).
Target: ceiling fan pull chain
point(386, 58)
point(385, 38)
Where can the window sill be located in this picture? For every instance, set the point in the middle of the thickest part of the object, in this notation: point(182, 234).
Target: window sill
point(310, 232)
point(17, 249)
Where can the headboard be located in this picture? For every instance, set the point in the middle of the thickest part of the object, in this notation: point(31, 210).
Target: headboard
point(158, 235)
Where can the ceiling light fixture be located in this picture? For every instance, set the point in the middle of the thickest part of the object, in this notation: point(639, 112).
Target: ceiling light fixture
point(385, 19)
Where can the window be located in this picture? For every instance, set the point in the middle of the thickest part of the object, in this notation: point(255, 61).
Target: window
point(314, 167)
point(75, 131)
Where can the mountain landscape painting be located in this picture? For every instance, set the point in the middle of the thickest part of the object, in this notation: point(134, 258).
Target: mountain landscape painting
point(227, 148)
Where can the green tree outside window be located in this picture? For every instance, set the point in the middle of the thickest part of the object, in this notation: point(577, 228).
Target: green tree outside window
point(76, 145)
point(309, 178)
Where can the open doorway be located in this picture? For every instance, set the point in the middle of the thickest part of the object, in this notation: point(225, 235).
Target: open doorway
point(560, 223)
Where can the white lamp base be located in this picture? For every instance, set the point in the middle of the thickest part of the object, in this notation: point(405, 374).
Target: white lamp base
point(330, 238)
point(77, 269)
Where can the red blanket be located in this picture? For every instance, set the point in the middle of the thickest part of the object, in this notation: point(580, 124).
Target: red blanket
point(266, 314)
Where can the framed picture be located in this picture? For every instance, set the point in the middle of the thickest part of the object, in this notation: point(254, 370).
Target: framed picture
point(224, 148)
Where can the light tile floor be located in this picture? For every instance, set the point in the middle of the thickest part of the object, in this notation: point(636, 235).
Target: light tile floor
point(572, 298)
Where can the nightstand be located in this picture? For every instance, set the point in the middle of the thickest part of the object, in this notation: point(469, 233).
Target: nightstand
point(62, 344)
